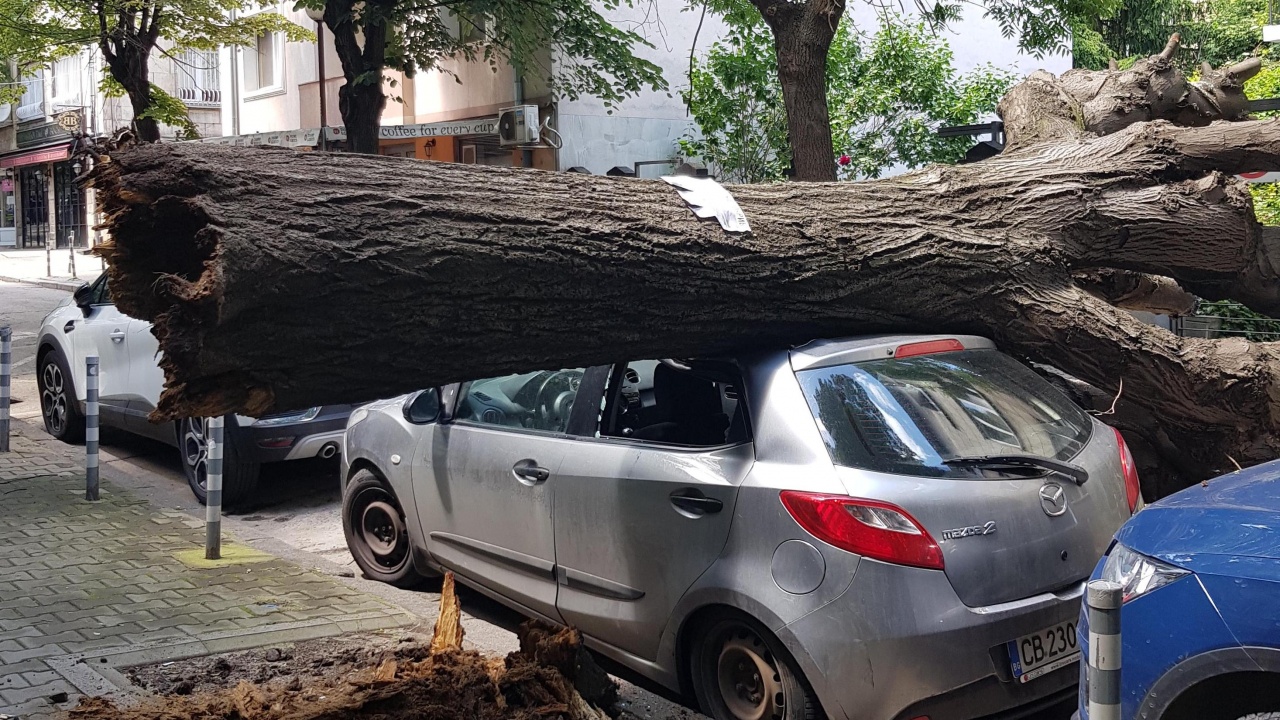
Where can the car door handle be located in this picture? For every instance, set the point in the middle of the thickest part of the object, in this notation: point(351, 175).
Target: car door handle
point(693, 501)
point(532, 473)
point(117, 336)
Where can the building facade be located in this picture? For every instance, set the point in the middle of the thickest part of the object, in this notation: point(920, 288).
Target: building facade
point(274, 92)
point(40, 201)
point(273, 96)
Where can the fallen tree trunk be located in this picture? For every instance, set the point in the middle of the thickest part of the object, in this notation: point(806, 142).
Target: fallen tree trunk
point(279, 280)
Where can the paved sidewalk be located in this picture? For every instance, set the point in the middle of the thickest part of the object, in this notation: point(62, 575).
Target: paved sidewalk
point(32, 266)
point(86, 588)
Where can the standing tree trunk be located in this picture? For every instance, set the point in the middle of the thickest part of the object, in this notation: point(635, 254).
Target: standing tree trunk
point(126, 39)
point(360, 99)
point(802, 36)
point(273, 287)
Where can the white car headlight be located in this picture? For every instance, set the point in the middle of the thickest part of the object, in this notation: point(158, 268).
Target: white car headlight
point(304, 416)
point(357, 416)
point(1137, 573)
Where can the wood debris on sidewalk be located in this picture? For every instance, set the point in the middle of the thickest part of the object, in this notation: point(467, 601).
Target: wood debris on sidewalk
point(550, 676)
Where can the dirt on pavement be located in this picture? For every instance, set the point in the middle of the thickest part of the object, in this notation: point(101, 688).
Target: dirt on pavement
point(401, 675)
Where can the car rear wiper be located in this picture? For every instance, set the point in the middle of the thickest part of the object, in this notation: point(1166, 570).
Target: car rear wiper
point(1075, 473)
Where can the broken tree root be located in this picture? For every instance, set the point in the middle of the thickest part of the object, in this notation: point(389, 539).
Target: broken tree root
point(550, 676)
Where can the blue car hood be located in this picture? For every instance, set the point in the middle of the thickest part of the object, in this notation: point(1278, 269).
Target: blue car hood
point(1235, 515)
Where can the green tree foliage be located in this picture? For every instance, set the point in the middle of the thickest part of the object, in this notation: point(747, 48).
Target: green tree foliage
point(888, 93)
point(35, 33)
point(1213, 31)
point(1234, 318)
point(592, 56)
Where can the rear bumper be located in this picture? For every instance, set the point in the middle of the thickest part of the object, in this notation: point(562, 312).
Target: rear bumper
point(296, 441)
point(900, 644)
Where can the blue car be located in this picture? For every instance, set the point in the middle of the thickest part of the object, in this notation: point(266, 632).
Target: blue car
point(1200, 623)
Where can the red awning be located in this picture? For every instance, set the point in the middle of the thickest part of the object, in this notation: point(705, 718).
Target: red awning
point(36, 157)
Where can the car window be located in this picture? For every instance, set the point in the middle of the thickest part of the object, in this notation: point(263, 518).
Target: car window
point(911, 415)
point(540, 401)
point(665, 403)
point(101, 292)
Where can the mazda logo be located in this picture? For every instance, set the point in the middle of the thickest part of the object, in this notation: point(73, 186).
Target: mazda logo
point(1053, 500)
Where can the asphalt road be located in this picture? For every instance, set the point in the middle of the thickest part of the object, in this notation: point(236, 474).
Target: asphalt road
point(22, 307)
point(297, 513)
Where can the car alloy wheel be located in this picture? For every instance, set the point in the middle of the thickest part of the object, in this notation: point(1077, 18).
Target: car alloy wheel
point(195, 449)
point(53, 398)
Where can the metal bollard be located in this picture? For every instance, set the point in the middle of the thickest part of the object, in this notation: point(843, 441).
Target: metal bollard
point(91, 427)
point(1103, 600)
point(6, 366)
point(71, 255)
point(213, 491)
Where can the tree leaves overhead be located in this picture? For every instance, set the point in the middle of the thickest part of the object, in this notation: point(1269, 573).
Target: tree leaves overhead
point(592, 55)
point(888, 93)
point(1218, 32)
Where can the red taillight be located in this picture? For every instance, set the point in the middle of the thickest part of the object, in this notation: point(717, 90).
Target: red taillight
point(866, 527)
point(927, 347)
point(1132, 490)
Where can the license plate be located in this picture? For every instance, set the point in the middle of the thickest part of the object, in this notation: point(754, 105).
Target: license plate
point(1043, 652)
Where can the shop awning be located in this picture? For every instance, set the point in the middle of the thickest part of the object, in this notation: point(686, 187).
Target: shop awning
point(37, 157)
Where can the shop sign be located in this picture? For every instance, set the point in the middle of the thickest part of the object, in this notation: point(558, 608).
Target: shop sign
point(41, 135)
point(69, 121)
point(285, 138)
point(36, 157)
point(482, 126)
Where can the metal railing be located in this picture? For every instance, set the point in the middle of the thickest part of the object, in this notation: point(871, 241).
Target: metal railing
point(1224, 319)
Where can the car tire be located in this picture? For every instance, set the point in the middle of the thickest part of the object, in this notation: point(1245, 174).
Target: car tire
point(58, 403)
point(376, 531)
point(239, 477)
point(739, 670)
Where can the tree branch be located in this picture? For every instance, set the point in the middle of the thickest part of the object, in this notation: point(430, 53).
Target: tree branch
point(1137, 291)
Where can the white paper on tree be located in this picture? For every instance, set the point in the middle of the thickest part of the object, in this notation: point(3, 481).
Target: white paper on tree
point(708, 198)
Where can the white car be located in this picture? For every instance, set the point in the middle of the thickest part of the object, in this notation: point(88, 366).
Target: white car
point(129, 385)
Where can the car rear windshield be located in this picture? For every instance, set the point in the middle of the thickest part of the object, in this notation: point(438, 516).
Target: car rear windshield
point(911, 415)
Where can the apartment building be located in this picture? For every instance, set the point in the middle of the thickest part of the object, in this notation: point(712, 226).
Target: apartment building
point(39, 200)
point(273, 96)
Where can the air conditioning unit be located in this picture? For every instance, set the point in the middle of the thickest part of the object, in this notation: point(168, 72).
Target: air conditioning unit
point(518, 125)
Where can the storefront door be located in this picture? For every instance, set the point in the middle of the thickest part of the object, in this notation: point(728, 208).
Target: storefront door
point(8, 212)
point(33, 184)
point(69, 205)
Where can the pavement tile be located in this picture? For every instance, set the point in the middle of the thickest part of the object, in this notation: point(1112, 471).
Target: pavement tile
point(79, 577)
point(43, 639)
point(21, 695)
point(7, 658)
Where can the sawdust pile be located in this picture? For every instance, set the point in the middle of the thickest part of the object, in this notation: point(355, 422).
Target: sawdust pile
point(550, 676)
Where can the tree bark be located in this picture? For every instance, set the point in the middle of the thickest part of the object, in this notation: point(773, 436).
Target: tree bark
point(360, 99)
point(126, 47)
point(272, 287)
point(802, 34)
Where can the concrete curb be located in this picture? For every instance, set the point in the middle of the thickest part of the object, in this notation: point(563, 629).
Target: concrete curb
point(51, 283)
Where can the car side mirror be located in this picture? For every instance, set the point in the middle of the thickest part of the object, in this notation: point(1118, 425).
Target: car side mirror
point(83, 297)
point(422, 407)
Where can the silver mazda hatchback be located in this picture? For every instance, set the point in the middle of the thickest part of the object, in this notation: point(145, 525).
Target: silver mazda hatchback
point(873, 528)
